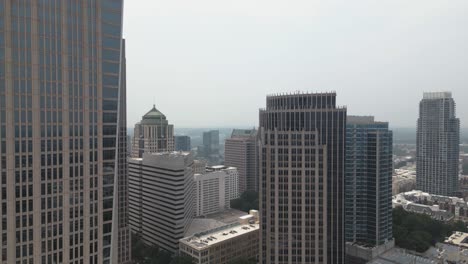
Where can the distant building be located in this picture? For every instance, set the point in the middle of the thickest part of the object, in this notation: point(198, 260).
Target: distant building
point(210, 148)
point(182, 143)
point(368, 198)
point(152, 134)
point(302, 179)
point(438, 138)
point(161, 190)
point(199, 167)
point(404, 179)
point(442, 208)
point(241, 152)
point(225, 244)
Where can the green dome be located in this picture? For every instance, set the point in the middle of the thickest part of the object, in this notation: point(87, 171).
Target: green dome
point(153, 116)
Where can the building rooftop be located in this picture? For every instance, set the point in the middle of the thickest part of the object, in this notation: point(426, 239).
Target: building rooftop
point(243, 133)
point(154, 116)
point(458, 239)
point(219, 168)
point(400, 256)
point(208, 238)
point(437, 95)
point(212, 221)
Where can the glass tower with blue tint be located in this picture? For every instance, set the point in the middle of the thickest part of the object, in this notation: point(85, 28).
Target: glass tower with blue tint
point(62, 113)
point(368, 196)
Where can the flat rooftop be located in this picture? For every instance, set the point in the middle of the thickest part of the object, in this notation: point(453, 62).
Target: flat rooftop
point(202, 224)
point(458, 239)
point(207, 239)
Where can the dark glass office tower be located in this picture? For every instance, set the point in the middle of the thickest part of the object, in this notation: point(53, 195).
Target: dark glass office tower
point(301, 169)
point(62, 110)
point(369, 167)
point(437, 149)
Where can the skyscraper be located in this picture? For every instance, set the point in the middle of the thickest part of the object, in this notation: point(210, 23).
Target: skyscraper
point(182, 143)
point(152, 134)
point(210, 148)
point(301, 156)
point(62, 107)
point(437, 146)
point(369, 168)
point(241, 152)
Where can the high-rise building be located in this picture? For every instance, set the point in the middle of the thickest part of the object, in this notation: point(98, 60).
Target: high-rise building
point(62, 110)
point(161, 190)
point(301, 161)
point(368, 195)
point(241, 152)
point(152, 134)
point(210, 148)
point(211, 142)
point(182, 143)
point(437, 146)
point(215, 188)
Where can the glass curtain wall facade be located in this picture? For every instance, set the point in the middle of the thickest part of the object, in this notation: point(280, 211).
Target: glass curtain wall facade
point(301, 170)
point(62, 101)
point(369, 168)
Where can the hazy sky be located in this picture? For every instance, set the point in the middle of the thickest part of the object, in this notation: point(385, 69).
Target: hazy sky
point(210, 63)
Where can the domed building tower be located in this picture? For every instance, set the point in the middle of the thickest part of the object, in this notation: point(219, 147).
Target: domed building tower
point(152, 134)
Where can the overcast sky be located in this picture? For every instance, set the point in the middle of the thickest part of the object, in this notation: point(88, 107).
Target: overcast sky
point(210, 63)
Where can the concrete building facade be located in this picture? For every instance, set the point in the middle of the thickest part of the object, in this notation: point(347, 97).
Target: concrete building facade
point(215, 189)
point(437, 146)
point(161, 200)
point(241, 152)
point(152, 134)
point(62, 113)
point(210, 193)
point(301, 167)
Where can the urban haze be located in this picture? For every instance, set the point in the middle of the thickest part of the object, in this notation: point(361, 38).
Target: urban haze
point(202, 60)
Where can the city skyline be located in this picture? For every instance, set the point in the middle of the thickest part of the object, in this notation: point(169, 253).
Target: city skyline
point(238, 52)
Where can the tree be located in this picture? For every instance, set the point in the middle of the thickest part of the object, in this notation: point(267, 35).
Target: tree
point(182, 260)
point(419, 232)
point(247, 201)
point(243, 261)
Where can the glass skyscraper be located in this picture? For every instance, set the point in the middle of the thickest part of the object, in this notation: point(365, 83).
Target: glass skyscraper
point(369, 168)
point(62, 137)
point(437, 145)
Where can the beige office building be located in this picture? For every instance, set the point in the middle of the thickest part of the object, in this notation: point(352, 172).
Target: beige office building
point(152, 134)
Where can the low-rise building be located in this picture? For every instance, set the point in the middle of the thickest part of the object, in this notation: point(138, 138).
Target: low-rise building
point(442, 208)
point(225, 244)
point(453, 250)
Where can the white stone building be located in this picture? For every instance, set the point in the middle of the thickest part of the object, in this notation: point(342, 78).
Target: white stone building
point(161, 191)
